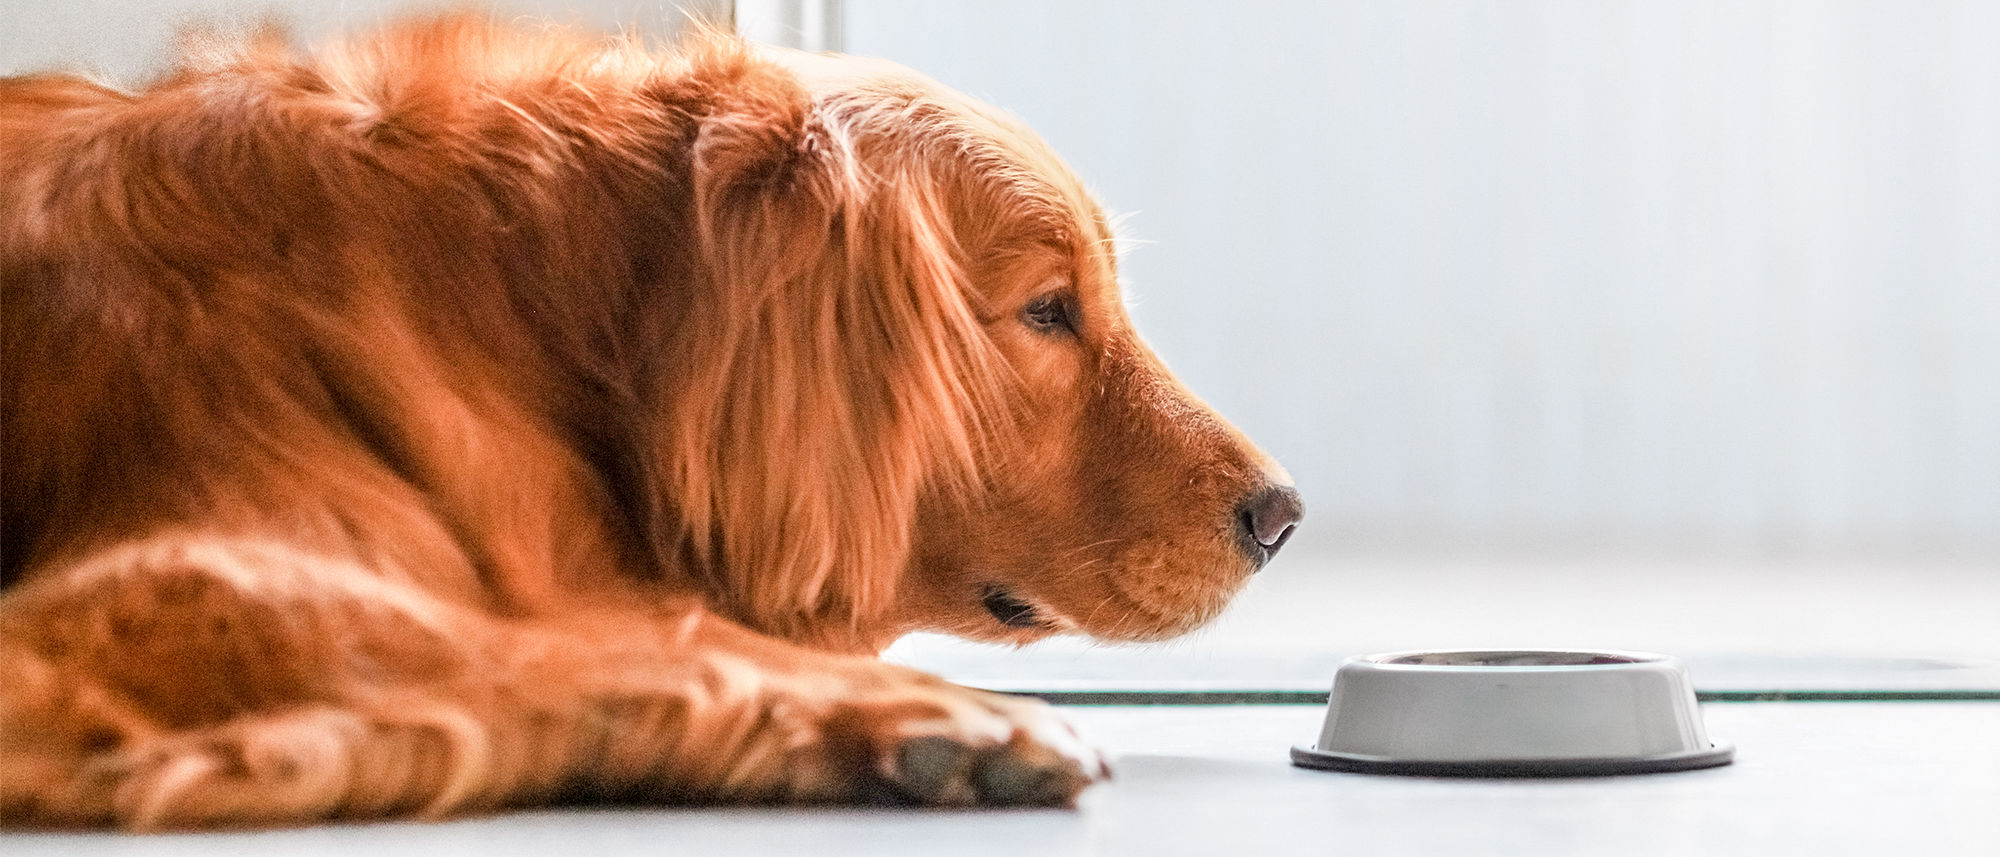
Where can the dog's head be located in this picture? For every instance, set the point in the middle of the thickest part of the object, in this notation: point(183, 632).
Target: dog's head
point(935, 407)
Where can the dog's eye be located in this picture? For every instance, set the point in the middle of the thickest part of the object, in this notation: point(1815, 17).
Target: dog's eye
point(1049, 314)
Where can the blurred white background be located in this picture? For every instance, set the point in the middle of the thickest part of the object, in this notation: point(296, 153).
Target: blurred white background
point(1658, 276)
point(1662, 324)
point(127, 41)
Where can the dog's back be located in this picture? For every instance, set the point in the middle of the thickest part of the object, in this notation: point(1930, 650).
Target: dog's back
point(263, 284)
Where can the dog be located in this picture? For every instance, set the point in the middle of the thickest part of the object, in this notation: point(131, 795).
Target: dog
point(471, 416)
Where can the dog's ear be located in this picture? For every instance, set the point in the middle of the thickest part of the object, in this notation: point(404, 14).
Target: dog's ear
point(833, 368)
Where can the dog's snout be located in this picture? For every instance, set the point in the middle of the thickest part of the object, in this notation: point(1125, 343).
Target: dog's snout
point(1268, 519)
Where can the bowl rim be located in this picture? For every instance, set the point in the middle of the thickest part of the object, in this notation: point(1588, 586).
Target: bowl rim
point(1417, 660)
point(1592, 766)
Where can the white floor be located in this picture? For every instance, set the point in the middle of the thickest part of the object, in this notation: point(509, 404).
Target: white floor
point(1810, 779)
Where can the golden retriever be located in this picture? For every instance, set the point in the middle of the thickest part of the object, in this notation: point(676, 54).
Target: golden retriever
point(468, 416)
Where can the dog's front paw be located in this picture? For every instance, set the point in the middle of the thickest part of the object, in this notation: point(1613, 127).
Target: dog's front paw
point(931, 743)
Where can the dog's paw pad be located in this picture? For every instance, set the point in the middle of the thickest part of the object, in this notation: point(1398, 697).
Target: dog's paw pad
point(935, 770)
point(1010, 779)
point(1034, 759)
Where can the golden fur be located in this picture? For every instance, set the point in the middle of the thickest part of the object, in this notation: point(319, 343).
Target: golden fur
point(469, 417)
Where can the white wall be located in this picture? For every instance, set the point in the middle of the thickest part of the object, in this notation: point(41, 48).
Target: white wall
point(1658, 276)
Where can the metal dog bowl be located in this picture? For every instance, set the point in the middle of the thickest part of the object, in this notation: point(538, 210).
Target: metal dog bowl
point(1512, 714)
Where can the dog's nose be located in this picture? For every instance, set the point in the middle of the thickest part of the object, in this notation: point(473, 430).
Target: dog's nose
point(1268, 519)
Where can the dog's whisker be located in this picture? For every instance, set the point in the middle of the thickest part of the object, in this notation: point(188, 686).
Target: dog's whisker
point(1098, 544)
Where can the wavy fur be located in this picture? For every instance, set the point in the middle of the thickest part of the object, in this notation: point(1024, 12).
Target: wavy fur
point(470, 416)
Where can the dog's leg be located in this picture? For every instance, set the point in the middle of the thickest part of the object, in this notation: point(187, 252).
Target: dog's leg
point(189, 685)
point(194, 682)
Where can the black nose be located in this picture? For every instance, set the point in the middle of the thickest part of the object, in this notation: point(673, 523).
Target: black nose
point(1268, 519)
